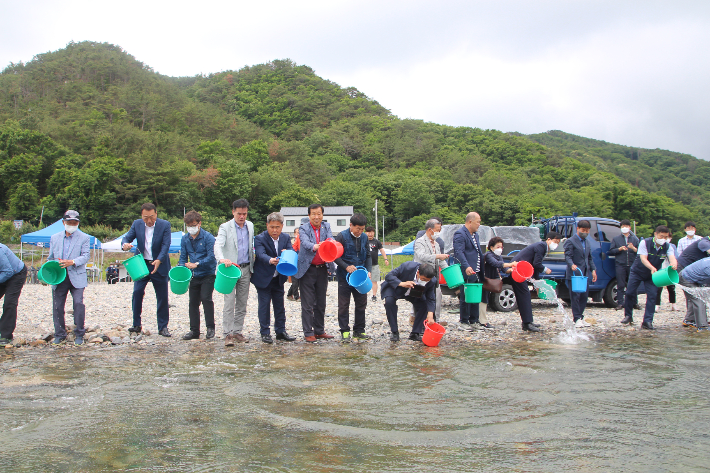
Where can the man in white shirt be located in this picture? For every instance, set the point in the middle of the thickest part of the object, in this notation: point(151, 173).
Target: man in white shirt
point(687, 240)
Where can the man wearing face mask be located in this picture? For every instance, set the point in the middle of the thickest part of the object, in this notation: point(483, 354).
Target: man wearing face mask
point(428, 250)
point(578, 256)
point(623, 248)
point(416, 283)
point(651, 254)
point(533, 254)
point(687, 240)
point(356, 252)
point(71, 248)
point(197, 254)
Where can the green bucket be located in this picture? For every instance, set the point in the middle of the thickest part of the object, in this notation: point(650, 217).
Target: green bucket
point(473, 292)
point(227, 277)
point(453, 276)
point(136, 267)
point(52, 273)
point(552, 285)
point(180, 279)
point(665, 277)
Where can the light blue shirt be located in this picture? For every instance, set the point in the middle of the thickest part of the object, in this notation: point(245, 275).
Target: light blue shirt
point(698, 272)
point(67, 244)
point(10, 264)
point(242, 243)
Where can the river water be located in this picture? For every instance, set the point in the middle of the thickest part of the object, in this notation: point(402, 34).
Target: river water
point(636, 402)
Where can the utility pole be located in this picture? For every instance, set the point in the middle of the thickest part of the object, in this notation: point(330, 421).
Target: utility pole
point(40, 217)
point(377, 233)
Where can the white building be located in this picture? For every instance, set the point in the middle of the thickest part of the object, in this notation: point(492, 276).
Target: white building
point(337, 217)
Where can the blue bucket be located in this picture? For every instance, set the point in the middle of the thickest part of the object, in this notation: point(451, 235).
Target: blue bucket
point(288, 263)
point(359, 280)
point(579, 283)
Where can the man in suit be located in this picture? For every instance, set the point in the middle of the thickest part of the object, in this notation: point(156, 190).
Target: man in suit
point(152, 235)
point(428, 250)
point(356, 252)
point(313, 274)
point(235, 245)
point(578, 256)
point(533, 254)
point(197, 246)
point(467, 250)
point(269, 283)
point(623, 249)
point(71, 248)
point(416, 283)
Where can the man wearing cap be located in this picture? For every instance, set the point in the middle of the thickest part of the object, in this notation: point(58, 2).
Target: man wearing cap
point(71, 248)
point(152, 234)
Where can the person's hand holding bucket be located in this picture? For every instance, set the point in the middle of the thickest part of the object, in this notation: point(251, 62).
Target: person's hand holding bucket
point(226, 262)
point(430, 318)
point(274, 261)
point(65, 263)
point(126, 246)
point(470, 271)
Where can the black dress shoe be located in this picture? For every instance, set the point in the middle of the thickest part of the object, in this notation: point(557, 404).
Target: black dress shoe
point(619, 307)
point(394, 337)
point(417, 337)
point(530, 328)
point(637, 307)
point(627, 320)
point(267, 339)
point(535, 325)
point(190, 335)
point(647, 326)
point(137, 329)
point(165, 332)
point(210, 333)
point(285, 337)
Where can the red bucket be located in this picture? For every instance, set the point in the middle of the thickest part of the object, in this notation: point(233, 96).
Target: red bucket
point(432, 334)
point(441, 278)
point(523, 271)
point(330, 250)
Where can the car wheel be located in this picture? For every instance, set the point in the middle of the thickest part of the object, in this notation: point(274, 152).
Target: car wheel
point(610, 294)
point(504, 301)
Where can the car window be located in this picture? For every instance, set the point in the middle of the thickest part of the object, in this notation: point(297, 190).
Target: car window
point(608, 231)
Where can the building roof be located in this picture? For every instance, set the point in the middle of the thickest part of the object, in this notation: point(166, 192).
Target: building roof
point(297, 211)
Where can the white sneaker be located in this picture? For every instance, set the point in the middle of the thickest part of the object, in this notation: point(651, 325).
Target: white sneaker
point(581, 323)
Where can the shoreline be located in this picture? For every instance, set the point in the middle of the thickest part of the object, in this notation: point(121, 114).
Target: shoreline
point(108, 313)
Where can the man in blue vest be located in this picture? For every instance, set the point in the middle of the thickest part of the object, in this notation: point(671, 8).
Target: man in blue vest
point(578, 256)
point(467, 250)
point(651, 254)
point(197, 246)
point(356, 252)
point(152, 235)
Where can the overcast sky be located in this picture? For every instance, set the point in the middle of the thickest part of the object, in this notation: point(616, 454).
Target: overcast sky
point(634, 73)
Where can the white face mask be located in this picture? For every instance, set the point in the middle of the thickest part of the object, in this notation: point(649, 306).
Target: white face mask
point(498, 251)
point(193, 230)
point(625, 230)
point(436, 235)
point(661, 241)
point(71, 228)
point(553, 246)
point(690, 233)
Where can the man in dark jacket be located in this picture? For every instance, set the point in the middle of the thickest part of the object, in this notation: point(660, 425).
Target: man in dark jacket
point(416, 283)
point(533, 254)
point(356, 252)
point(623, 248)
point(578, 256)
point(269, 283)
point(467, 250)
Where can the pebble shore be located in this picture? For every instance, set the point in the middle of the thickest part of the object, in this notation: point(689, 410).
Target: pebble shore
point(108, 316)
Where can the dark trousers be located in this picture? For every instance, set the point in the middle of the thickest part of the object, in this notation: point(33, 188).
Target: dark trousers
point(420, 311)
point(632, 296)
point(293, 290)
point(468, 312)
point(313, 285)
point(274, 294)
point(160, 285)
point(622, 278)
point(344, 292)
point(59, 299)
point(11, 290)
point(578, 300)
point(201, 290)
point(671, 294)
point(522, 297)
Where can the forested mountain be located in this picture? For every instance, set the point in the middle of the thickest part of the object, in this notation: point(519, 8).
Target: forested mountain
point(90, 127)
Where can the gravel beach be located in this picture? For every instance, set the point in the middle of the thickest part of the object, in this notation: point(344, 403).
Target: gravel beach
point(108, 313)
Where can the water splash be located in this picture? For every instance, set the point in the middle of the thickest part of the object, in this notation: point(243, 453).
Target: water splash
point(570, 336)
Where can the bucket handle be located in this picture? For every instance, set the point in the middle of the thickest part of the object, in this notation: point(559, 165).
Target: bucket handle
point(581, 274)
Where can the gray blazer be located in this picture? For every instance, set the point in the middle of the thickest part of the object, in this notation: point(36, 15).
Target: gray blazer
point(225, 245)
point(575, 255)
point(78, 251)
point(424, 253)
point(308, 239)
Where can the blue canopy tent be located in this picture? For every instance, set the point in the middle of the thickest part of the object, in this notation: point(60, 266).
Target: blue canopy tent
point(407, 249)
